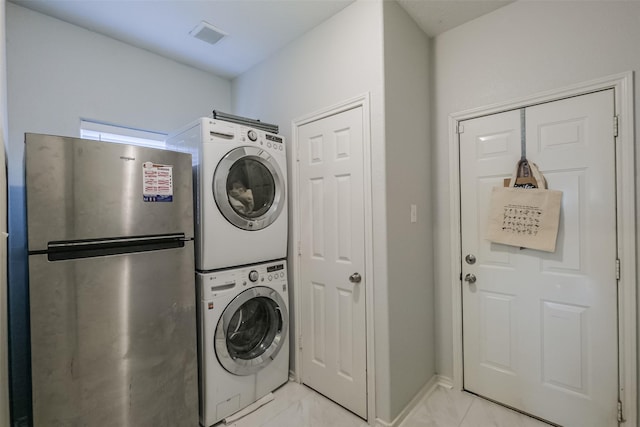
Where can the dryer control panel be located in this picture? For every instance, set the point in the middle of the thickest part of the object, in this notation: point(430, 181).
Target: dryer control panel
point(224, 132)
point(272, 142)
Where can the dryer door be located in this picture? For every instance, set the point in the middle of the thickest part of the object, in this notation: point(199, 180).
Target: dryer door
point(251, 331)
point(249, 188)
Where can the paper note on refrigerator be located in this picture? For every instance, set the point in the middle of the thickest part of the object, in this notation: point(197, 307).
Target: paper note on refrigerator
point(157, 182)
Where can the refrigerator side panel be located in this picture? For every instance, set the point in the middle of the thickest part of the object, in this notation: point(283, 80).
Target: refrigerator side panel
point(114, 340)
point(79, 189)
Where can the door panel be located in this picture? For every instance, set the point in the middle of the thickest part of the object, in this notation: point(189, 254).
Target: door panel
point(540, 329)
point(332, 249)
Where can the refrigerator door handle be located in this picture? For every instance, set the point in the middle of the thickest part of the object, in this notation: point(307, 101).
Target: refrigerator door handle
point(66, 250)
point(114, 241)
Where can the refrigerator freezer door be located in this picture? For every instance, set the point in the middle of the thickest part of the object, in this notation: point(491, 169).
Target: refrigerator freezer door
point(79, 189)
point(113, 340)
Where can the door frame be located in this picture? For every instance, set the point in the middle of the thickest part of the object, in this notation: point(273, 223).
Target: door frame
point(361, 101)
point(622, 84)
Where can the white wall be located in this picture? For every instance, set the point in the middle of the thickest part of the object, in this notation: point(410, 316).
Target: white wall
point(338, 60)
point(58, 73)
point(409, 245)
point(4, 362)
point(521, 49)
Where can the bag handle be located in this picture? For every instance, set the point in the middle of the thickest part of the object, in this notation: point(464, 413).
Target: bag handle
point(541, 182)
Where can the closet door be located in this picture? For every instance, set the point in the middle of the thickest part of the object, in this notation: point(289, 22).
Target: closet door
point(540, 329)
point(332, 258)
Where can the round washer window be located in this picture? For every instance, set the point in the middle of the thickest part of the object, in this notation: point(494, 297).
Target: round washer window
point(251, 331)
point(253, 328)
point(251, 188)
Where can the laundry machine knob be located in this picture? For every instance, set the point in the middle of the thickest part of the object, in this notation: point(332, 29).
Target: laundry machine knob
point(252, 135)
point(253, 275)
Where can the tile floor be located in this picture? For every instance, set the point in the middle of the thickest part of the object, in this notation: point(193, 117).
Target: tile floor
point(295, 405)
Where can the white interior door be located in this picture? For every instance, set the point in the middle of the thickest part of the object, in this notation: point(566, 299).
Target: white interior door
point(331, 197)
point(540, 329)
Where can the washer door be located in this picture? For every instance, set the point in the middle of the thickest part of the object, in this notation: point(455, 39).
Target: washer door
point(251, 331)
point(248, 188)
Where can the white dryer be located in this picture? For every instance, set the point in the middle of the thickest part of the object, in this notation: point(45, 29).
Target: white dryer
point(241, 192)
point(243, 346)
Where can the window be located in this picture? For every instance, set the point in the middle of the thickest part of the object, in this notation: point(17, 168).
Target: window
point(121, 134)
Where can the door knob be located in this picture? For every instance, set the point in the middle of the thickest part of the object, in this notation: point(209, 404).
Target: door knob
point(471, 278)
point(355, 278)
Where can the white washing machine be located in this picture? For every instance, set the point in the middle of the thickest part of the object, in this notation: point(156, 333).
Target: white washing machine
point(243, 346)
point(241, 192)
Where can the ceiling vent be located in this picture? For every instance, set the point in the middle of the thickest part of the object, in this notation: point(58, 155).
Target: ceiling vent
point(207, 32)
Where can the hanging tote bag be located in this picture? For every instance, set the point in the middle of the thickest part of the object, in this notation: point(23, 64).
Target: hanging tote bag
point(525, 217)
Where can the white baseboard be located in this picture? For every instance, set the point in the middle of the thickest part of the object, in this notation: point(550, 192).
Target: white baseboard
point(445, 382)
point(425, 391)
point(429, 387)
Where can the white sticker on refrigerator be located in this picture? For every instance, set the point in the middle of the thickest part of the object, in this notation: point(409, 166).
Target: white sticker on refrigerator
point(157, 182)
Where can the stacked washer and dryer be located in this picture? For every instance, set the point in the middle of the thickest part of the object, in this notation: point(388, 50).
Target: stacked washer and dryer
point(241, 273)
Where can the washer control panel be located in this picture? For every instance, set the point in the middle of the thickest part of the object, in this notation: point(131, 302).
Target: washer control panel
point(268, 273)
point(219, 283)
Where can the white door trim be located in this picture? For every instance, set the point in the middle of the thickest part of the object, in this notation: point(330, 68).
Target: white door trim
point(363, 102)
point(622, 84)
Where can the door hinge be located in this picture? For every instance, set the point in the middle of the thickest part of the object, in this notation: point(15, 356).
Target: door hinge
point(617, 269)
point(300, 342)
point(620, 413)
point(297, 151)
point(460, 128)
point(299, 248)
point(616, 123)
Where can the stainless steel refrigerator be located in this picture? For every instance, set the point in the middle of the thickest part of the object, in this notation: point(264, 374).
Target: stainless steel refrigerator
point(111, 284)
